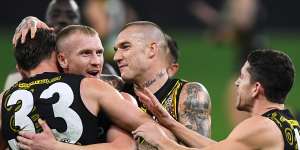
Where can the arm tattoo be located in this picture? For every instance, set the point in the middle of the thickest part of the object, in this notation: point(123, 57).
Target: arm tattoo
point(196, 109)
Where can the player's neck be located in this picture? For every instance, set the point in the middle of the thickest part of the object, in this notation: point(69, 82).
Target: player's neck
point(263, 106)
point(44, 66)
point(154, 82)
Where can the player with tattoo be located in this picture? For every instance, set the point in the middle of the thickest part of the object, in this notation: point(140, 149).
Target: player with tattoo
point(69, 103)
point(142, 54)
point(262, 88)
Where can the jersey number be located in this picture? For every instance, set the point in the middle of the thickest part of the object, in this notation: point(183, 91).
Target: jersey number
point(297, 137)
point(61, 109)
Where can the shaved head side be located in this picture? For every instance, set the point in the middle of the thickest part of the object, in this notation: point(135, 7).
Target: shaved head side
point(152, 33)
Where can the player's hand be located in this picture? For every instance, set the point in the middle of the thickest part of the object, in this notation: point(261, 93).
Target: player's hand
point(151, 132)
point(37, 141)
point(154, 106)
point(28, 24)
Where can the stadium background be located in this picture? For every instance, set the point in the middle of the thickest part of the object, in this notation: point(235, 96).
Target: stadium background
point(201, 59)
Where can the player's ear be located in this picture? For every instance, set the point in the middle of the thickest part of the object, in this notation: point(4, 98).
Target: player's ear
point(173, 69)
point(257, 89)
point(62, 61)
point(153, 50)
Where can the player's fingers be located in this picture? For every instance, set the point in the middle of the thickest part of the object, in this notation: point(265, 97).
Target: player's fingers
point(153, 99)
point(23, 147)
point(42, 25)
point(23, 36)
point(16, 38)
point(137, 135)
point(142, 97)
point(33, 31)
point(45, 126)
point(24, 141)
point(137, 130)
point(155, 106)
point(26, 134)
point(145, 100)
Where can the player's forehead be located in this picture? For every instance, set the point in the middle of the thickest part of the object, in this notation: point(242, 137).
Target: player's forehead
point(80, 41)
point(130, 35)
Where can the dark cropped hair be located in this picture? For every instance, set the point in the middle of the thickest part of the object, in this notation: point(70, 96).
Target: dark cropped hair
point(30, 54)
point(274, 70)
point(174, 50)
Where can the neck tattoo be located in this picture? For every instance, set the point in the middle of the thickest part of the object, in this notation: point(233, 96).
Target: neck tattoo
point(150, 82)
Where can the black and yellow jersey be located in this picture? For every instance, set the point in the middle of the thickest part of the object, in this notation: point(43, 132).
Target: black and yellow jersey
point(168, 95)
point(288, 125)
point(54, 97)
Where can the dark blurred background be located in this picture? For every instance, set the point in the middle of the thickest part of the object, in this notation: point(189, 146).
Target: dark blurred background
point(168, 13)
point(202, 59)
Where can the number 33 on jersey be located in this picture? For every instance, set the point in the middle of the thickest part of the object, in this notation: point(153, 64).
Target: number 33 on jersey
point(53, 97)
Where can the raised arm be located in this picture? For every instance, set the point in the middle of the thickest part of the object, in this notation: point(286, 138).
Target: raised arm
point(31, 24)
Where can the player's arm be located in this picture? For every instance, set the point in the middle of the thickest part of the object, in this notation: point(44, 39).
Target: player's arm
point(154, 135)
point(119, 139)
point(254, 133)
point(3, 143)
point(116, 139)
point(122, 112)
point(182, 133)
point(194, 108)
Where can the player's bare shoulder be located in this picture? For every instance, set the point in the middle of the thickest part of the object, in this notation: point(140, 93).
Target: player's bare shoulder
point(113, 80)
point(195, 108)
point(258, 132)
point(195, 90)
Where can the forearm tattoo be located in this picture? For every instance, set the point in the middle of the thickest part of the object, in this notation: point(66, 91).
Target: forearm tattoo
point(196, 109)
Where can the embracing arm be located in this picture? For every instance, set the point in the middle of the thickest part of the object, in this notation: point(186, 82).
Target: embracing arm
point(121, 111)
point(116, 139)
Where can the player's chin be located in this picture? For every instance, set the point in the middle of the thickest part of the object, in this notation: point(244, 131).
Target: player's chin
point(125, 77)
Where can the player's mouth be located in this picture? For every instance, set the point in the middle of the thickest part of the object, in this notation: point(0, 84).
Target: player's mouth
point(122, 66)
point(94, 73)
